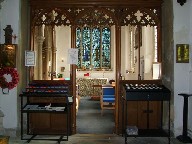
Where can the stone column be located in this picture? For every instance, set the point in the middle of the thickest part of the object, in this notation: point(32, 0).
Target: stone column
point(38, 44)
point(1, 123)
point(47, 52)
point(53, 68)
point(40, 40)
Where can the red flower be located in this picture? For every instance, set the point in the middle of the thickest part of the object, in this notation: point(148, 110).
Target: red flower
point(14, 75)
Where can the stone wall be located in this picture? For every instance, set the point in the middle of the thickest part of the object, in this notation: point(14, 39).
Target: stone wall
point(168, 50)
point(1, 123)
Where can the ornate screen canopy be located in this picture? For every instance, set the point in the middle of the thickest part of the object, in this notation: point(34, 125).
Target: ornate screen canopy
point(102, 16)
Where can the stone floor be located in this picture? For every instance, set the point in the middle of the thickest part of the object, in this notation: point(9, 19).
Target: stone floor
point(99, 139)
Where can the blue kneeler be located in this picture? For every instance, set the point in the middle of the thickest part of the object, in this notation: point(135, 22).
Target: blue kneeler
point(107, 98)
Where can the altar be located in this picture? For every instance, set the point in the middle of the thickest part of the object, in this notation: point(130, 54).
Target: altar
point(86, 86)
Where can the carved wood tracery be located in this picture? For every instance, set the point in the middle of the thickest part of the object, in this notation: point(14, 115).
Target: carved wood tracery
point(97, 17)
point(142, 16)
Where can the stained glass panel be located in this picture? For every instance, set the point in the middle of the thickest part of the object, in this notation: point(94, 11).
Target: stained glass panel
point(96, 44)
point(94, 48)
point(86, 43)
point(106, 44)
point(78, 45)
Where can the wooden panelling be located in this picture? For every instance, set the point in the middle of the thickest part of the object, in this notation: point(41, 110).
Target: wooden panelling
point(39, 121)
point(48, 121)
point(142, 116)
point(132, 111)
point(155, 116)
point(138, 112)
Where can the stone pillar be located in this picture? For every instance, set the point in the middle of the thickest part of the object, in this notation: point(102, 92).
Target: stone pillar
point(40, 40)
point(53, 68)
point(1, 123)
point(38, 44)
point(47, 51)
point(46, 63)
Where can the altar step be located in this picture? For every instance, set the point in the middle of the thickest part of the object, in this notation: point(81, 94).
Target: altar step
point(77, 139)
point(101, 139)
point(97, 136)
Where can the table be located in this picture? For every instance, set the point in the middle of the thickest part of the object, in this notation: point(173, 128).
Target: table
point(86, 85)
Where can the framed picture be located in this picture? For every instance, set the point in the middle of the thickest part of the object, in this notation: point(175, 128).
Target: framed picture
point(182, 53)
point(30, 58)
point(8, 55)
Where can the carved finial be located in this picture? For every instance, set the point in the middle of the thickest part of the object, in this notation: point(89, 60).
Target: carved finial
point(1, 2)
point(181, 2)
point(8, 34)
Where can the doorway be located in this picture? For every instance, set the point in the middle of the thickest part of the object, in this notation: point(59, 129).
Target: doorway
point(79, 16)
point(89, 119)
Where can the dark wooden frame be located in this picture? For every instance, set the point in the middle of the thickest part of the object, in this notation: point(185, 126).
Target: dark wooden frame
point(138, 37)
point(118, 12)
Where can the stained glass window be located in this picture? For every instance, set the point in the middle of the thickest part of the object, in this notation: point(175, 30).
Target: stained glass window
point(94, 46)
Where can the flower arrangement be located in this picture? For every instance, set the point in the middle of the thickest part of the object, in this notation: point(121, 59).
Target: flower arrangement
point(15, 78)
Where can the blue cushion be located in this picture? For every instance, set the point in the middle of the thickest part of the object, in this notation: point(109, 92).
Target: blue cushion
point(108, 96)
point(110, 100)
point(108, 91)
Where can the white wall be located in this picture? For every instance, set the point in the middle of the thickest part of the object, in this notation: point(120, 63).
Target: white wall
point(125, 42)
point(9, 15)
point(146, 52)
point(182, 71)
point(190, 75)
point(63, 43)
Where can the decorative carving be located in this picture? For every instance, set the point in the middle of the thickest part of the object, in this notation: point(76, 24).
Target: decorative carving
point(141, 17)
point(97, 17)
point(49, 16)
point(8, 34)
